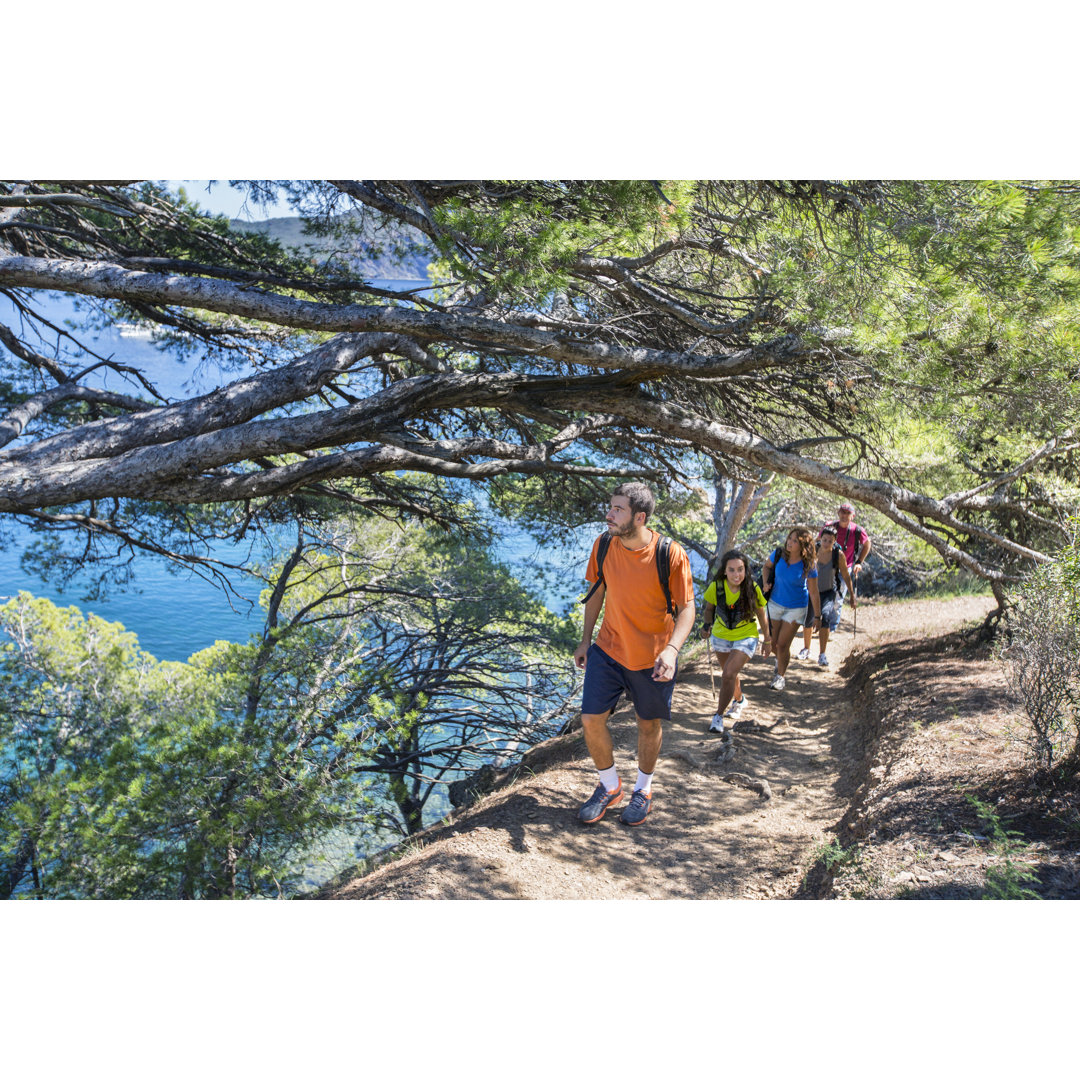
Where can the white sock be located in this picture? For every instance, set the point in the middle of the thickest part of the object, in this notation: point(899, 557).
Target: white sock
point(609, 778)
point(644, 781)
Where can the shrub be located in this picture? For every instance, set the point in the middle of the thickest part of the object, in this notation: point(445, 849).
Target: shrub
point(1042, 658)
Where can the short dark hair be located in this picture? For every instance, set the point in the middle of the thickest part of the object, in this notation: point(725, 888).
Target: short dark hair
point(640, 497)
point(827, 529)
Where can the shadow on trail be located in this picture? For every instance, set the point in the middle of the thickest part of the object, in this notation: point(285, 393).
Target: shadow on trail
point(706, 837)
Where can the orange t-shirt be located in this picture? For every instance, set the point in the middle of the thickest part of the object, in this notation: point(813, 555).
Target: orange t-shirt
point(636, 624)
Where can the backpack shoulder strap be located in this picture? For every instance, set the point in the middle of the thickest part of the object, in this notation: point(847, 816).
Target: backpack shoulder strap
point(773, 558)
point(601, 552)
point(725, 612)
point(663, 569)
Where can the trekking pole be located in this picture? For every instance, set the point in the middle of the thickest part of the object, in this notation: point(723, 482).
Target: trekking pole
point(855, 605)
point(712, 676)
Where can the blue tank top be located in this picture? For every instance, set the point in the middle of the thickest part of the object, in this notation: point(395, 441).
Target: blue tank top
point(789, 589)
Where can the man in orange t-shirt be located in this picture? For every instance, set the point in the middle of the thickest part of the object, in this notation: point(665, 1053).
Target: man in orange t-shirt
point(637, 650)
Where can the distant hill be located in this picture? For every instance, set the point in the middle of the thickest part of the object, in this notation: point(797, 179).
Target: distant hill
point(395, 254)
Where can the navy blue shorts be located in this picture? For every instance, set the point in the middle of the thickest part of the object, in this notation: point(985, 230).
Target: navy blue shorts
point(606, 681)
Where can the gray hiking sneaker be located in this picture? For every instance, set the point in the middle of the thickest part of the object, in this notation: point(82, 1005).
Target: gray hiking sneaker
point(823, 660)
point(637, 809)
point(804, 654)
point(777, 683)
point(598, 804)
point(717, 724)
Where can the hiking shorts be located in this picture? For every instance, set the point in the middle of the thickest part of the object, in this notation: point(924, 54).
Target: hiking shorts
point(723, 646)
point(606, 681)
point(779, 613)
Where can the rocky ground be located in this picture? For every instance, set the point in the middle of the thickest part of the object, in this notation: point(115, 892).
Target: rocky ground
point(850, 783)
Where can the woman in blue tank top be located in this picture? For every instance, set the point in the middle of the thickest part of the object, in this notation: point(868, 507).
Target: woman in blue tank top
point(793, 578)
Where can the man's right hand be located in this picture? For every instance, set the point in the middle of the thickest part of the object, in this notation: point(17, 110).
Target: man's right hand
point(579, 654)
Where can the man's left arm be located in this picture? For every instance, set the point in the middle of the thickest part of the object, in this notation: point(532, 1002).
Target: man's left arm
point(863, 552)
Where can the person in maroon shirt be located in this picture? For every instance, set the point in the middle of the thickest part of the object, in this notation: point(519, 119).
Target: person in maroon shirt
point(853, 538)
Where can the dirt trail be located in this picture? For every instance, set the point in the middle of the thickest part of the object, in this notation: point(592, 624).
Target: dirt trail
point(707, 837)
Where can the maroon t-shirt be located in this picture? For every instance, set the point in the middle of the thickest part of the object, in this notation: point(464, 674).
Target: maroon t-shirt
point(850, 539)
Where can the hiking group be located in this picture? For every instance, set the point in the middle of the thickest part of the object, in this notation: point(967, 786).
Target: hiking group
point(643, 583)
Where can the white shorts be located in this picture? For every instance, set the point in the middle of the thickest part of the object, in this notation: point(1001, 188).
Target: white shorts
point(779, 613)
point(746, 645)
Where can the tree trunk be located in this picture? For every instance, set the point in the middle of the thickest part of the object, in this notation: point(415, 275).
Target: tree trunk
point(729, 515)
point(992, 623)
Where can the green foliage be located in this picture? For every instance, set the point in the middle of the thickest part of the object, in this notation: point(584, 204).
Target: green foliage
point(835, 857)
point(990, 301)
point(1007, 881)
point(960, 300)
point(532, 233)
point(393, 666)
point(123, 777)
point(949, 583)
point(933, 330)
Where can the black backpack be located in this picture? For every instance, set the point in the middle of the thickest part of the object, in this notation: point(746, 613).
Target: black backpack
point(663, 567)
point(778, 553)
point(726, 612)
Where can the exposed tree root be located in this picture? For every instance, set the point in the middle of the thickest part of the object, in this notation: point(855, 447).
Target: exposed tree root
point(720, 758)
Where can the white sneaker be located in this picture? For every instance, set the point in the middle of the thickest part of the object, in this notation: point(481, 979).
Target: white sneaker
point(804, 654)
point(777, 683)
point(717, 723)
point(823, 660)
point(735, 708)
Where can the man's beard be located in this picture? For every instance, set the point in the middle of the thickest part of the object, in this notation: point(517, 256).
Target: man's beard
point(622, 530)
